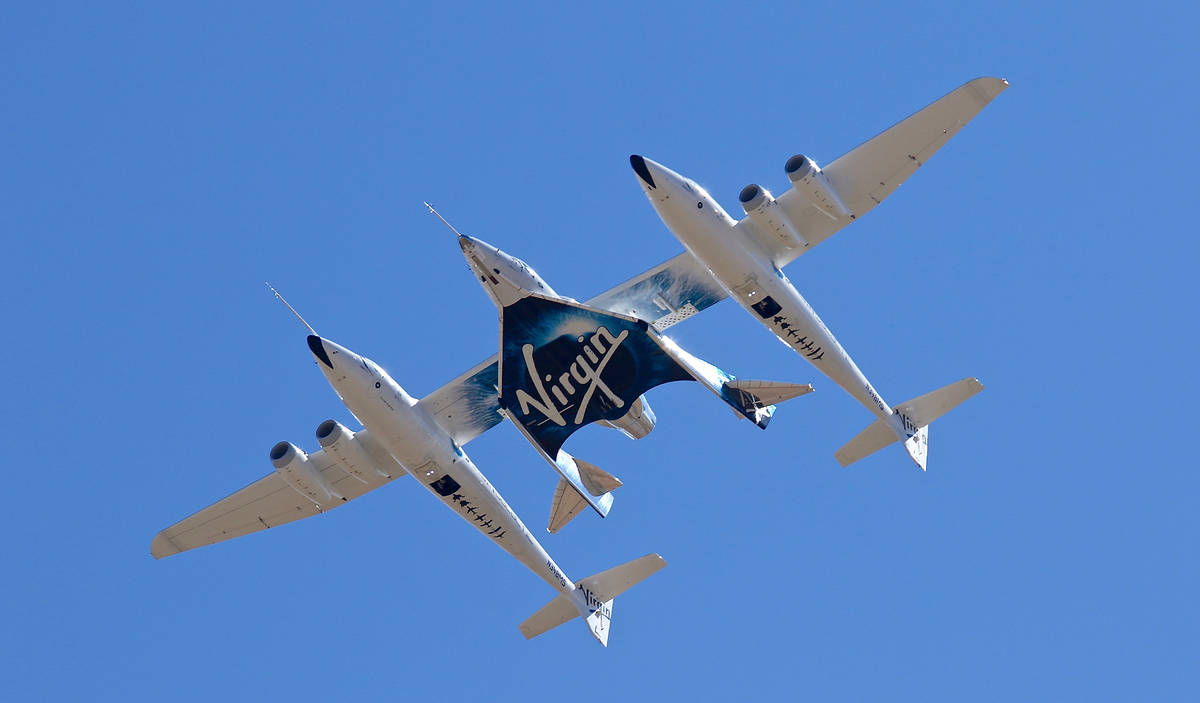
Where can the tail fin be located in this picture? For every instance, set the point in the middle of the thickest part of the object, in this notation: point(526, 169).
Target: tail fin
point(593, 599)
point(760, 394)
point(569, 501)
point(914, 416)
point(753, 400)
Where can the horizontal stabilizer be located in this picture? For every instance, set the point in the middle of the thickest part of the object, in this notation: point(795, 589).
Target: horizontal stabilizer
point(609, 584)
point(877, 436)
point(915, 415)
point(595, 604)
point(771, 392)
point(725, 385)
point(550, 616)
point(926, 408)
point(571, 471)
point(596, 480)
point(569, 502)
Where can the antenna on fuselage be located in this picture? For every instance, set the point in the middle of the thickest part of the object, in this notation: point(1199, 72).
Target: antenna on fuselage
point(289, 307)
point(439, 216)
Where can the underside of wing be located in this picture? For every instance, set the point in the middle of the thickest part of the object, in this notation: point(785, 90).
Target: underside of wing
point(270, 502)
point(870, 172)
point(666, 294)
point(266, 503)
point(469, 405)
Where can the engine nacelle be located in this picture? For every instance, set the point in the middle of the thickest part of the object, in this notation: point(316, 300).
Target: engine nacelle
point(293, 466)
point(808, 178)
point(636, 423)
point(769, 217)
point(339, 443)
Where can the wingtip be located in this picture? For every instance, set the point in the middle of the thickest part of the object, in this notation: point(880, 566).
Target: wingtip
point(162, 546)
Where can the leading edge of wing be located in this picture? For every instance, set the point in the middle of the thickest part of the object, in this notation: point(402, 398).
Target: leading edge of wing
point(867, 174)
point(270, 502)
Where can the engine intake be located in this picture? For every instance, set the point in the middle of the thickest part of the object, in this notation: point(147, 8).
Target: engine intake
point(769, 217)
point(349, 454)
point(808, 178)
point(293, 466)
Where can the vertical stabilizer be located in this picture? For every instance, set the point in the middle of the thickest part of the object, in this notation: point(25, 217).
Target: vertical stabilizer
point(569, 501)
point(592, 599)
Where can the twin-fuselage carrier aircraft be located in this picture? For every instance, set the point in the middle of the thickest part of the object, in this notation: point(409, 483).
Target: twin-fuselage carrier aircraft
point(564, 365)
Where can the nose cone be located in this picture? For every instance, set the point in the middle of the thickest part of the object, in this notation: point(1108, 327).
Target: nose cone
point(481, 254)
point(657, 180)
point(317, 346)
point(642, 170)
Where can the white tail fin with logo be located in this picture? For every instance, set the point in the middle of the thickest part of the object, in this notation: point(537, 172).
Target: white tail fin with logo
point(914, 416)
point(593, 599)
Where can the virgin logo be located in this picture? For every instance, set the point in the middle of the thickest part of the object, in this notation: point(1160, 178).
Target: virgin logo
point(581, 380)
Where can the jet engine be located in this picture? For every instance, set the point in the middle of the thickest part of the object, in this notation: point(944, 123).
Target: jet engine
point(636, 423)
point(340, 444)
point(808, 178)
point(769, 217)
point(293, 466)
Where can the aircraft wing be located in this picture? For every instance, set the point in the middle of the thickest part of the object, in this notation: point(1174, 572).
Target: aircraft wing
point(469, 405)
point(870, 172)
point(666, 294)
point(465, 408)
point(266, 503)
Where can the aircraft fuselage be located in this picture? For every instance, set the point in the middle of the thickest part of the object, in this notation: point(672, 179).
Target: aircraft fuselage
point(747, 274)
point(415, 441)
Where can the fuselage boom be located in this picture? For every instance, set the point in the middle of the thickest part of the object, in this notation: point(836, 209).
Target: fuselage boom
point(718, 241)
point(416, 442)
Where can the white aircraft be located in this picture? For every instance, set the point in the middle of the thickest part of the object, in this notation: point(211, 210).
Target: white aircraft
point(746, 256)
point(564, 365)
point(399, 436)
point(351, 464)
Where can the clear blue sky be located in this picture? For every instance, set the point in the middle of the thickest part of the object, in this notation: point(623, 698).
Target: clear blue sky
point(160, 161)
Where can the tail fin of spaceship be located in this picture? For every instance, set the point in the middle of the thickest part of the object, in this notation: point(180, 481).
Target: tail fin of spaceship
point(755, 396)
point(754, 400)
point(569, 501)
point(912, 427)
point(593, 599)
